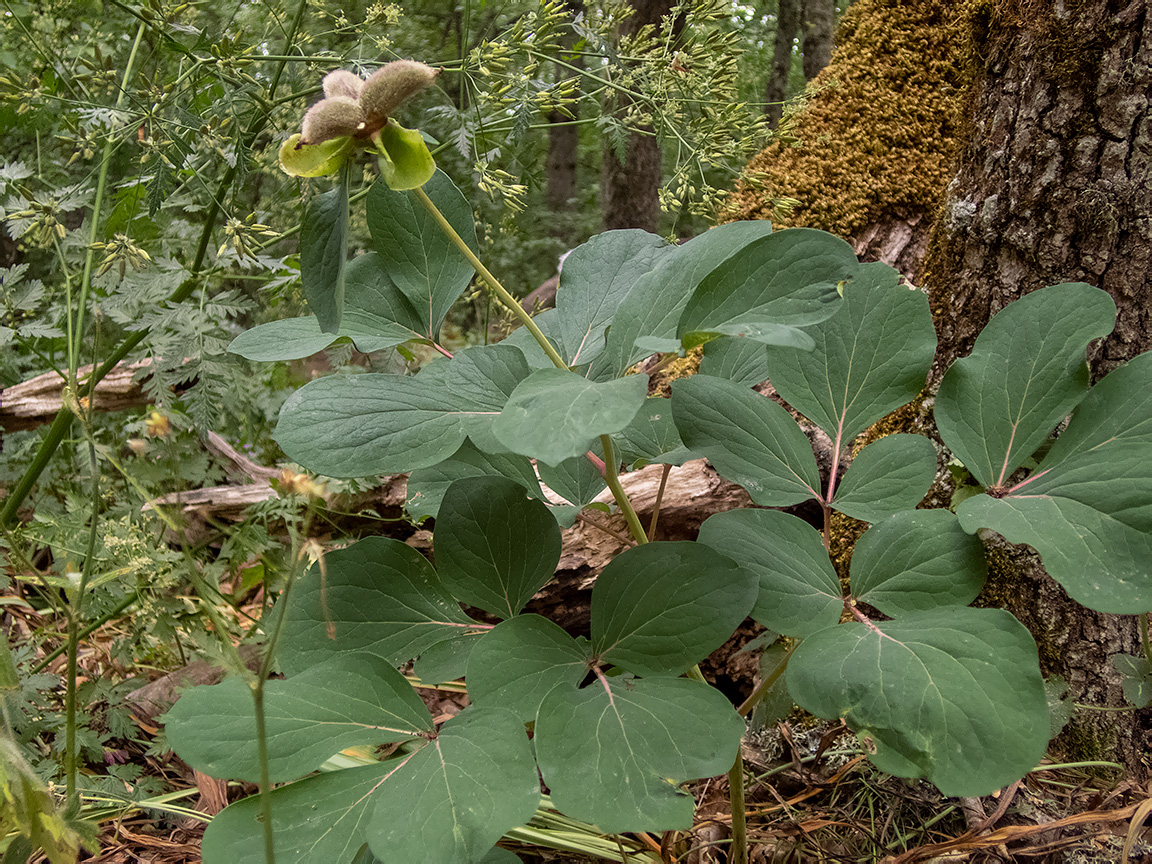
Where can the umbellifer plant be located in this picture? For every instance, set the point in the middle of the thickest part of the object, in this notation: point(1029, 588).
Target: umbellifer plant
point(617, 722)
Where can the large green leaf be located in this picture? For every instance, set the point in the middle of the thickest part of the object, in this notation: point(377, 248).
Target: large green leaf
point(350, 700)
point(785, 280)
point(319, 820)
point(953, 695)
point(616, 752)
point(359, 425)
point(595, 278)
point(426, 486)
point(1025, 373)
point(323, 254)
point(548, 322)
point(379, 596)
point(554, 414)
point(576, 480)
point(446, 660)
point(889, 475)
point(744, 361)
point(653, 307)
point(376, 316)
point(495, 546)
point(748, 438)
point(1087, 509)
point(871, 357)
point(917, 561)
point(661, 607)
point(417, 256)
point(520, 661)
point(652, 437)
point(799, 592)
point(453, 799)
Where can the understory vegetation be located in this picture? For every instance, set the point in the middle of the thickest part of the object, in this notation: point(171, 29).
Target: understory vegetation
point(319, 546)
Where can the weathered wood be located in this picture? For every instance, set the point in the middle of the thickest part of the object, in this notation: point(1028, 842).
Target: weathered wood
point(38, 400)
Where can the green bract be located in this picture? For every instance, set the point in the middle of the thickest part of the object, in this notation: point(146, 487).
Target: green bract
point(931, 687)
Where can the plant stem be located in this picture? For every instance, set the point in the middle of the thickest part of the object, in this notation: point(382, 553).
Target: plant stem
point(1144, 637)
point(491, 281)
point(739, 853)
point(659, 500)
point(265, 781)
point(75, 608)
point(612, 478)
point(762, 689)
point(87, 631)
point(101, 185)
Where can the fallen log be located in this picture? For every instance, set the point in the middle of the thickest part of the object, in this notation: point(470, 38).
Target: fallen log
point(38, 400)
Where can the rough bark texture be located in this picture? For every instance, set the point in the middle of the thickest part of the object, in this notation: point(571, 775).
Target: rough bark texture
point(787, 23)
point(1052, 186)
point(868, 153)
point(818, 22)
point(631, 189)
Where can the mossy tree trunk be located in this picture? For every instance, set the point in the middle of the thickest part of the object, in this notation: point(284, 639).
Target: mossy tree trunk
point(1052, 185)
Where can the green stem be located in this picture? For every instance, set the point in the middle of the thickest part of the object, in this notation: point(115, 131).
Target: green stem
point(1144, 638)
point(86, 632)
point(58, 431)
point(93, 230)
point(612, 478)
point(739, 853)
point(265, 780)
point(758, 694)
point(491, 281)
point(75, 608)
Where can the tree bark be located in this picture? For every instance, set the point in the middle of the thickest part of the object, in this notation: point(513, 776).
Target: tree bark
point(1052, 185)
point(819, 20)
point(631, 188)
point(560, 195)
point(787, 23)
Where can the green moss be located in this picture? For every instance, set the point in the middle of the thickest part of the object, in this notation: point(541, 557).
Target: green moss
point(875, 133)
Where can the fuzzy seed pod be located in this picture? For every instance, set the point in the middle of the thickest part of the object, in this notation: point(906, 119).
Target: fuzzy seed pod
point(330, 118)
point(343, 83)
point(390, 85)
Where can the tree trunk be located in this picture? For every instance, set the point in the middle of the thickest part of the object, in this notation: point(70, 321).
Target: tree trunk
point(631, 189)
point(787, 23)
point(1052, 185)
point(819, 19)
point(560, 195)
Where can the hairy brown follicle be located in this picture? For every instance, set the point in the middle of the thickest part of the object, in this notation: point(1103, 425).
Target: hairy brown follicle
point(343, 83)
point(390, 85)
point(330, 118)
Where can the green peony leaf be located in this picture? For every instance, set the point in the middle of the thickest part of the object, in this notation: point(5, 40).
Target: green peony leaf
point(744, 361)
point(576, 480)
point(891, 474)
point(416, 255)
point(446, 660)
point(324, 253)
point(379, 596)
point(748, 438)
point(359, 425)
point(1025, 373)
point(426, 487)
point(453, 799)
point(616, 752)
point(799, 592)
point(784, 280)
point(1087, 509)
point(653, 307)
point(405, 161)
point(871, 356)
point(350, 700)
point(659, 608)
point(495, 547)
point(652, 437)
point(595, 278)
point(554, 414)
point(953, 695)
point(917, 561)
point(1135, 678)
point(520, 661)
point(320, 819)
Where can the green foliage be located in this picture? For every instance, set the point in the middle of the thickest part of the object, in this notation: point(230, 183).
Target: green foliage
point(940, 690)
